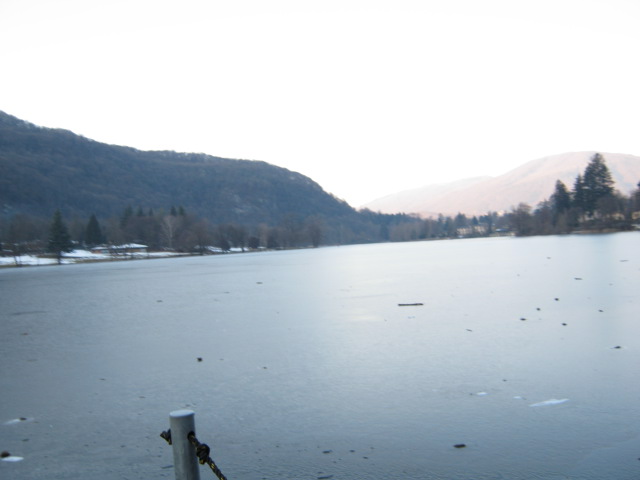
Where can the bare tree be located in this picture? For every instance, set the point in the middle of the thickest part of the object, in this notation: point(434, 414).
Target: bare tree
point(169, 228)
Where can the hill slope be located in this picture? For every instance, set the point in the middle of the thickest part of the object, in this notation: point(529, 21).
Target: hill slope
point(414, 200)
point(44, 169)
point(530, 183)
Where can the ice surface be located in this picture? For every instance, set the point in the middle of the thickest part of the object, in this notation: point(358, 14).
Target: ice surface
point(12, 458)
point(552, 401)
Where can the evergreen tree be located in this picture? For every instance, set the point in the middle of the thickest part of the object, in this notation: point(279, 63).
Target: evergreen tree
point(543, 218)
point(59, 238)
point(126, 215)
point(560, 201)
point(597, 183)
point(93, 234)
point(578, 195)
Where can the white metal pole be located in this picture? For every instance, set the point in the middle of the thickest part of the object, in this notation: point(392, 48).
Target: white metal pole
point(184, 453)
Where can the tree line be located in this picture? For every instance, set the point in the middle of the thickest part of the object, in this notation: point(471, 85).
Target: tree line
point(592, 204)
point(177, 229)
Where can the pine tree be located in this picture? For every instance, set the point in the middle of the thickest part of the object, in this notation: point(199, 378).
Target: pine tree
point(93, 232)
point(597, 183)
point(59, 238)
point(635, 201)
point(560, 200)
point(126, 216)
point(578, 195)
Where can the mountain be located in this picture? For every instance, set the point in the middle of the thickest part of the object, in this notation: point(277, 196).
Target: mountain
point(414, 200)
point(530, 183)
point(44, 169)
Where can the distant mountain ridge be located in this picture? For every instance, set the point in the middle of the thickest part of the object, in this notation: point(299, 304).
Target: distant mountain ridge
point(530, 183)
point(413, 200)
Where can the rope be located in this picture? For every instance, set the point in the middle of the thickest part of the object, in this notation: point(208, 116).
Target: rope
point(202, 452)
point(167, 436)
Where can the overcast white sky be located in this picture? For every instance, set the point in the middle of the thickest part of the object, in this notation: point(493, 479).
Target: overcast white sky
point(365, 97)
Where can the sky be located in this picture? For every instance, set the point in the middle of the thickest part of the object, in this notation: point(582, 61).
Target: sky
point(367, 98)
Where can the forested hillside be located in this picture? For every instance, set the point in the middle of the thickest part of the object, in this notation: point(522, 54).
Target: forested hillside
point(48, 168)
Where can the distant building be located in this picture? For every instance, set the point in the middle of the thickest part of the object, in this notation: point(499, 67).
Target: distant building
point(126, 249)
point(472, 231)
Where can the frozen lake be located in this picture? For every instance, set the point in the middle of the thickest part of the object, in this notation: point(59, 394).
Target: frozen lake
point(526, 350)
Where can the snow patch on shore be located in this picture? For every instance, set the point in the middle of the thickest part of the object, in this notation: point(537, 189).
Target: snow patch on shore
point(76, 256)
